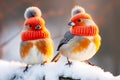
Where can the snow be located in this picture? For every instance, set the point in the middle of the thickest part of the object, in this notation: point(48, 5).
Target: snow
point(6, 68)
point(52, 71)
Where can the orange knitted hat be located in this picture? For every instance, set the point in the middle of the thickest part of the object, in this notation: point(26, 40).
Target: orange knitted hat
point(32, 35)
point(84, 30)
point(34, 20)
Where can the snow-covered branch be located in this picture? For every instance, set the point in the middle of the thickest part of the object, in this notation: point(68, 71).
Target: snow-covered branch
point(53, 71)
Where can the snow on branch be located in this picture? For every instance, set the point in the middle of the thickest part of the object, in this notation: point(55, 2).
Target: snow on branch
point(53, 71)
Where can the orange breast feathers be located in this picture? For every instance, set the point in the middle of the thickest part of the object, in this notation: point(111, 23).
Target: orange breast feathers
point(85, 42)
point(44, 46)
point(25, 48)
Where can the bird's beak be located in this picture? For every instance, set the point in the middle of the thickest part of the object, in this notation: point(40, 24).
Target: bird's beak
point(37, 26)
point(71, 23)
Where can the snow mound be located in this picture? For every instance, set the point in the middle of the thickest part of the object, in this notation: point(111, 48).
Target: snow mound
point(53, 71)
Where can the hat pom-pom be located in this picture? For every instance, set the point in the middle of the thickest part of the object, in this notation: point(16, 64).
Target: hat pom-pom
point(76, 10)
point(32, 12)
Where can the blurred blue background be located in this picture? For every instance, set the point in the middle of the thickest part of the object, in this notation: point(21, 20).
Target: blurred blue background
point(106, 14)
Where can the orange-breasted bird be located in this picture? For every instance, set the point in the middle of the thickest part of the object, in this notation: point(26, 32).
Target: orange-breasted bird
point(82, 41)
point(36, 44)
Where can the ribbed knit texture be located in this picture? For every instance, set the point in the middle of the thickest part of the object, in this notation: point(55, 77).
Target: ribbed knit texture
point(32, 35)
point(84, 30)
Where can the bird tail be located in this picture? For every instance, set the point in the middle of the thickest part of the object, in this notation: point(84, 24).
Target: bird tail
point(56, 58)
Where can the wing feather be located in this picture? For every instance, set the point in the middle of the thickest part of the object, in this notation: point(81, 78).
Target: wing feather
point(68, 36)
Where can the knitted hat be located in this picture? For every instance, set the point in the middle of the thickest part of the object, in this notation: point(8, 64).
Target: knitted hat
point(84, 31)
point(33, 35)
point(36, 23)
point(88, 30)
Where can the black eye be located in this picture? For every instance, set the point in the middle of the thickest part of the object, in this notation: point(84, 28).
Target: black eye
point(79, 20)
point(30, 25)
point(37, 26)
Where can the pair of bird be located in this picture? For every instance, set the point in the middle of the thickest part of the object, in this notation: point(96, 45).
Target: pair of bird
point(81, 42)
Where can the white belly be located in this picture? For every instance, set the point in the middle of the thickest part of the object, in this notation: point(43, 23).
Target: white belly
point(34, 56)
point(83, 55)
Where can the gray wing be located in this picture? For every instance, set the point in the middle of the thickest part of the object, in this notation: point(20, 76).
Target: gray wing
point(65, 40)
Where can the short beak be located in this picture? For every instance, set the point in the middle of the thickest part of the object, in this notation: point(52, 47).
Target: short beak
point(37, 26)
point(71, 23)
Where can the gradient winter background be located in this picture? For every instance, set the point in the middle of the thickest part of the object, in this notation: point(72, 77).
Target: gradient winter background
point(106, 13)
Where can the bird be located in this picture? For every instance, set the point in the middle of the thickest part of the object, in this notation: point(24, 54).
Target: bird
point(36, 45)
point(82, 41)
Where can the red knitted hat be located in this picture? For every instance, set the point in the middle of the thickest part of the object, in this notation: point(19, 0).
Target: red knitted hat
point(33, 18)
point(32, 35)
point(80, 30)
point(84, 30)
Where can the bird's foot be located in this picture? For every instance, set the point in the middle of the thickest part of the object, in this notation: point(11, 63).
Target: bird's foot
point(88, 62)
point(26, 68)
point(69, 63)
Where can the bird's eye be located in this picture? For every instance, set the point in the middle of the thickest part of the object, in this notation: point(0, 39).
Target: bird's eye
point(79, 20)
point(30, 25)
point(37, 26)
